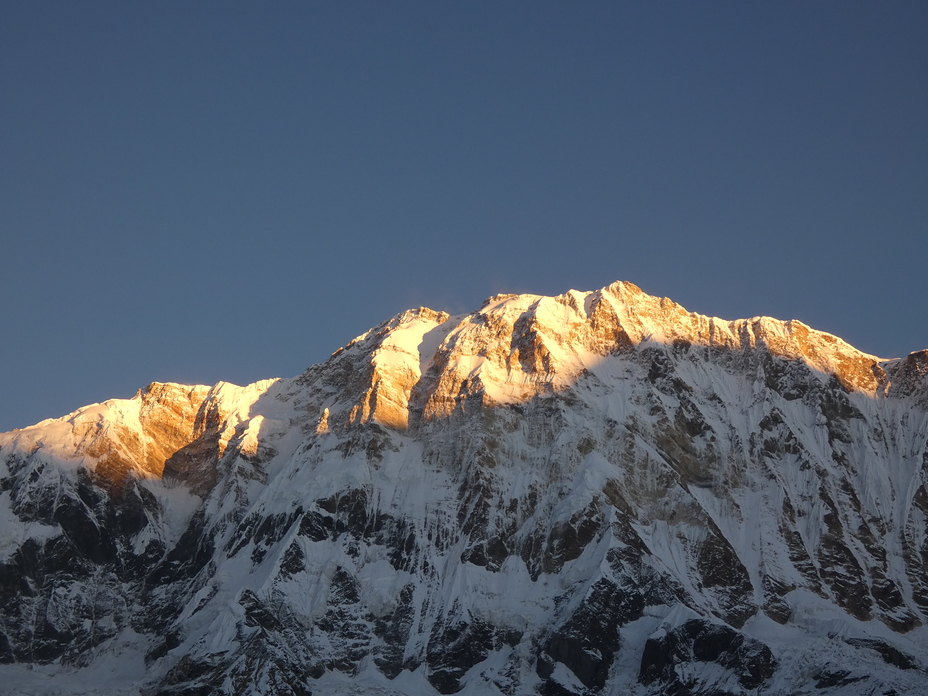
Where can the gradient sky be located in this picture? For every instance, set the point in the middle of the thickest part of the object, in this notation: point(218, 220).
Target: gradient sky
point(197, 192)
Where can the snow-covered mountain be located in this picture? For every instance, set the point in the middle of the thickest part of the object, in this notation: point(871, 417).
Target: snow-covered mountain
point(598, 492)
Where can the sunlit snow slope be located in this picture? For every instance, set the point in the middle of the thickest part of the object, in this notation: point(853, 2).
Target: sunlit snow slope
point(598, 492)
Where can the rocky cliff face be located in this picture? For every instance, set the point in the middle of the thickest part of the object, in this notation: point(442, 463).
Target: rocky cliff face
point(592, 493)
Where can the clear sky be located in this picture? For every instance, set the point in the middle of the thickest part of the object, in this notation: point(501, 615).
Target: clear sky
point(197, 192)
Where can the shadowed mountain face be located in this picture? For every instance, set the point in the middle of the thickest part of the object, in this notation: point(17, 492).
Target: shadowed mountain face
point(593, 493)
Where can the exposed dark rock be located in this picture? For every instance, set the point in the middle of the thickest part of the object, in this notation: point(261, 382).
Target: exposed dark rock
point(458, 645)
point(701, 641)
point(826, 678)
point(294, 560)
point(394, 631)
point(317, 527)
point(190, 555)
point(587, 642)
point(566, 541)
point(348, 628)
point(193, 677)
point(6, 650)
point(350, 510)
point(774, 605)
point(889, 654)
point(257, 613)
point(725, 578)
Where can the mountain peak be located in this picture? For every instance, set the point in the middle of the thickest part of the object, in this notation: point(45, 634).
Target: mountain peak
point(598, 492)
point(516, 346)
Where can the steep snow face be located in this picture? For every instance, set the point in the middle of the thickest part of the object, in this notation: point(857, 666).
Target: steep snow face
point(598, 492)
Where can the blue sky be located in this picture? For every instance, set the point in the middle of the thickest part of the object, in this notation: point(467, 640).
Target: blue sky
point(198, 192)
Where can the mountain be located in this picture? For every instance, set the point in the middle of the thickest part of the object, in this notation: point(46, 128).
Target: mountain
point(595, 493)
